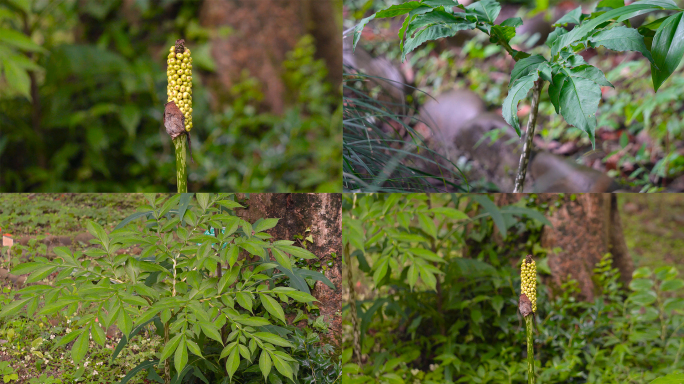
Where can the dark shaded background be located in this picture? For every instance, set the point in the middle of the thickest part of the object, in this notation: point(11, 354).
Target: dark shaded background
point(83, 87)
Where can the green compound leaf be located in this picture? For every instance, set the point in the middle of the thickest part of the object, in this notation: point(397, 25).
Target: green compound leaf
point(517, 92)
point(667, 49)
point(621, 39)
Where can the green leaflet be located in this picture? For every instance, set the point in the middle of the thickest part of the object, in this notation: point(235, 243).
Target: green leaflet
point(621, 13)
point(667, 49)
point(517, 92)
point(265, 363)
point(524, 67)
point(412, 15)
point(485, 10)
point(506, 30)
point(621, 39)
point(19, 40)
point(578, 101)
point(398, 9)
point(591, 73)
point(611, 4)
point(432, 26)
point(358, 28)
point(555, 88)
point(572, 17)
point(554, 35)
point(572, 59)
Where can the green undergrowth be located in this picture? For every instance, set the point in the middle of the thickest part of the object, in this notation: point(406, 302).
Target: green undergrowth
point(62, 214)
point(473, 332)
point(653, 228)
point(27, 345)
point(43, 339)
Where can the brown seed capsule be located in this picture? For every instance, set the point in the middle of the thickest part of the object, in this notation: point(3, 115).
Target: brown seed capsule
point(174, 122)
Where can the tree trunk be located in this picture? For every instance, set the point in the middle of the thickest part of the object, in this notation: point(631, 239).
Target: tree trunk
point(321, 213)
point(261, 33)
point(584, 229)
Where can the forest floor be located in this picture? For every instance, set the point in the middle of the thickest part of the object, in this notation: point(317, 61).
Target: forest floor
point(653, 226)
point(37, 222)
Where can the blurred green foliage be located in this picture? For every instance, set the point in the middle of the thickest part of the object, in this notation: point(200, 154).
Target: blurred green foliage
point(82, 93)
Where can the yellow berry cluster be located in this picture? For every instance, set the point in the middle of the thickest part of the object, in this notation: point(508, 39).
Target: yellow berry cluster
point(528, 285)
point(179, 90)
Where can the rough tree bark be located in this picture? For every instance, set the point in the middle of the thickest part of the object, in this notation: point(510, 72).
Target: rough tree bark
point(322, 213)
point(585, 229)
point(263, 32)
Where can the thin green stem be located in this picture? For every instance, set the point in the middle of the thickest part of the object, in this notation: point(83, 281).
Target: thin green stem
point(180, 143)
point(531, 378)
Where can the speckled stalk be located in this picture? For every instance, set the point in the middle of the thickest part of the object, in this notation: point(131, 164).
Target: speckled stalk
point(180, 143)
point(531, 378)
point(529, 136)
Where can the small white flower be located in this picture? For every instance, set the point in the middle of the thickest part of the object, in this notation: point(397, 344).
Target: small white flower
point(68, 330)
point(52, 337)
point(95, 373)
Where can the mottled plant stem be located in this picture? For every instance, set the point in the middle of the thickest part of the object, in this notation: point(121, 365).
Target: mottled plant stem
point(180, 143)
point(356, 332)
point(167, 362)
point(531, 378)
point(529, 136)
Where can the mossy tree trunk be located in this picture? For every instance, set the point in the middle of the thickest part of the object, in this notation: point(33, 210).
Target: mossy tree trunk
point(320, 216)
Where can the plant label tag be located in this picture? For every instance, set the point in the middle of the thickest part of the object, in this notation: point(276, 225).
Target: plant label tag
point(7, 241)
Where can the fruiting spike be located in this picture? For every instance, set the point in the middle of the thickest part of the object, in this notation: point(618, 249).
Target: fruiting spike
point(179, 74)
point(528, 284)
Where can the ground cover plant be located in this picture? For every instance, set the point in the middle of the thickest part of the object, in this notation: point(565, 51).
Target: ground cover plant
point(189, 307)
point(436, 300)
point(607, 27)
